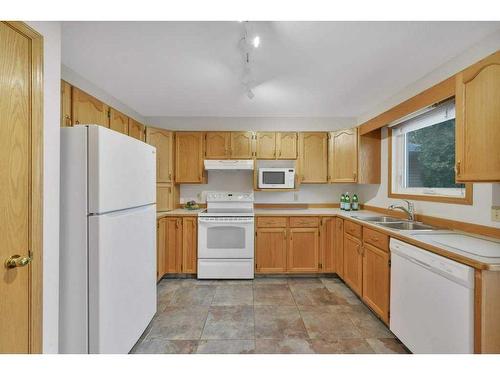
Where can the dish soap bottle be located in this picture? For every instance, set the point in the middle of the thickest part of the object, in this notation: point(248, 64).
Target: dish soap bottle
point(355, 203)
point(347, 204)
point(342, 201)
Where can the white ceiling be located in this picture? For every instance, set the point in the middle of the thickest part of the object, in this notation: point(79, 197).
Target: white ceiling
point(339, 69)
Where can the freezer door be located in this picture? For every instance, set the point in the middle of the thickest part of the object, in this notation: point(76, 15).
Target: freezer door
point(122, 278)
point(122, 171)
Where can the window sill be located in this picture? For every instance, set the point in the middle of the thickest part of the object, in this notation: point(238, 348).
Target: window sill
point(467, 200)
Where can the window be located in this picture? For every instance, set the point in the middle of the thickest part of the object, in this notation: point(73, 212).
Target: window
point(423, 156)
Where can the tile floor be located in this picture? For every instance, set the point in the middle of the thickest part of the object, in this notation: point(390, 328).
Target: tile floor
point(265, 315)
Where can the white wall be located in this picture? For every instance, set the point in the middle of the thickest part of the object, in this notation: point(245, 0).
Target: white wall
point(485, 195)
point(51, 32)
point(77, 80)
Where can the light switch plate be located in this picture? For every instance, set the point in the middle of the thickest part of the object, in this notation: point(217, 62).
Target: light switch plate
point(495, 213)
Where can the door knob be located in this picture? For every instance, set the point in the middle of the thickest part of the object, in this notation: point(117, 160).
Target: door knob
point(17, 261)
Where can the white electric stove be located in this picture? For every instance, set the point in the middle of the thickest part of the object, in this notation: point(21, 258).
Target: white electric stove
point(226, 237)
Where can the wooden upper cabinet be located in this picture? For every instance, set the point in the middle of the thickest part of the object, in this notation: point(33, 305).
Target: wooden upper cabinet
point(478, 121)
point(303, 250)
point(270, 250)
point(217, 145)
point(313, 154)
point(286, 145)
point(376, 274)
point(163, 141)
point(344, 156)
point(189, 244)
point(88, 110)
point(118, 121)
point(65, 104)
point(136, 129)
point(242, 145)
point(266, 145)
point(165, 196)
point(353, 263)
point(189, 157)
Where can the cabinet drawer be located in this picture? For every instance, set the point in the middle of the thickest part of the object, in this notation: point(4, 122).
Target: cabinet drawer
point(304, 222)
point(271, 222)
point(377, 239)
point(352, 228)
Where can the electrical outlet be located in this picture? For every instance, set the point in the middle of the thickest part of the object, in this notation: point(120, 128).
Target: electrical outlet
point(495, 213)
point(295, 197)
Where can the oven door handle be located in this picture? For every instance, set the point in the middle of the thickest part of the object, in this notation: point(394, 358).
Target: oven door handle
point(222, 221)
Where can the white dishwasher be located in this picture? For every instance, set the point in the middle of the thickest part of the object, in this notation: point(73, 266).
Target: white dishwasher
point(432, 301)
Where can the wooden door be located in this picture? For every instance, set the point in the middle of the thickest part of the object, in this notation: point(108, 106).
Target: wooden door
point(314, 157)
point(339, 247)
point(161, 261)
point(303, 250)
point(217, 145)
point(65, 104)
point(353, 263)
point(88, 110)
point(266, 145)
point(163, 141)
point(173, 245)
point(270, 250)
point(478, 121)
point(21, 140)
point(327, 245)
point(118, 121)
point(136, 129)
point(189, 157)
point(376, 274)
point(286, 145)
point(242, 145)
point(189, 244)
point(165, 200)
point(344, 155)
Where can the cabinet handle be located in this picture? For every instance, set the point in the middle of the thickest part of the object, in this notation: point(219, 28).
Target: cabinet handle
point(279, 154)
point(77, 122)
point(170, 176)
point(354, 174)
point(457, 168)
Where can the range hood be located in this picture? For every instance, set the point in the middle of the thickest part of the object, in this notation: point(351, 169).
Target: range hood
point(235, 165)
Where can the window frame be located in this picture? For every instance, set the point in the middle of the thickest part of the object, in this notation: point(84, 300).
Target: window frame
point(466, 200)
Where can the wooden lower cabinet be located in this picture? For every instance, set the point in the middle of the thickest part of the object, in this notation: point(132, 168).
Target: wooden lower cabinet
point(271, 249)
point(177, 245)
point(339, 247)
point(303, 250)
point(353, 263)
point(328, 245)
point(376, 276)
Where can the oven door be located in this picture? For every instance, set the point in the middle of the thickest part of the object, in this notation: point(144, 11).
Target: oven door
point(225, 237)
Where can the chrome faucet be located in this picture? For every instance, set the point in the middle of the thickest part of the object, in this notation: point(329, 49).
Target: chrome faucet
point(410, 210)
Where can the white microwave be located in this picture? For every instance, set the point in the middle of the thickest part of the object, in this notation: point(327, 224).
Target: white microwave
point(276, 178)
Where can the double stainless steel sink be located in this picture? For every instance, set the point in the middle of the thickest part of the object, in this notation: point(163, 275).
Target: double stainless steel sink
point(395, 223)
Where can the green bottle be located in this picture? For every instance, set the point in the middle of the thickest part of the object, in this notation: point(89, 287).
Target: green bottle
point(342, 202)
point(355, 203)
point(347, 204)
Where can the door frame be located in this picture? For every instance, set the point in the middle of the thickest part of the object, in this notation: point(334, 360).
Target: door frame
point(36, 189)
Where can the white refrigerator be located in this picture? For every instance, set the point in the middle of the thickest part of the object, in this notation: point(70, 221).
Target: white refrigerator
point(107, 240)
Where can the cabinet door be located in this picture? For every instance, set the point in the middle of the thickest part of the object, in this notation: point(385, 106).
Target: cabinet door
point(136, 129)
point(314, 157)
point(189, 244)
point(286, 145)
point(339, 247)
point(65, 104)
point(165, 196)
point(163, 141)
point(217, 145)
point(266, 145)
point(327, 237)
point(344, 155)
point(189, 157)
point(270, 250)
point(161, 248)
point(353, 263)
point(88, 110)
point(173, 244)
point(376, 280)
point(477, 123)
point(242, 145)
point(303, 250)
point(118, 121)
